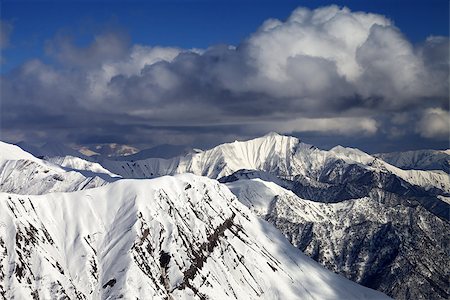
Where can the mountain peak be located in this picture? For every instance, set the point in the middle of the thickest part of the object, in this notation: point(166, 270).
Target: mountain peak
point(272, 133)
point(182, 237)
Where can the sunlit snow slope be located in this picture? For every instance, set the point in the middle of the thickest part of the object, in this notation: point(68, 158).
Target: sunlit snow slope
point(183, 237)
point(283, 156)
point(371, 240)
point(22, 173)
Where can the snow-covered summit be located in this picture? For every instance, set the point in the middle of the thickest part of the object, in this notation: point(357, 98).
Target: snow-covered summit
point(183, 237)
point(280, 155)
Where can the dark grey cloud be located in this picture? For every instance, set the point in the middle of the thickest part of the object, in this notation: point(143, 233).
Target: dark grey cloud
point(325, 71)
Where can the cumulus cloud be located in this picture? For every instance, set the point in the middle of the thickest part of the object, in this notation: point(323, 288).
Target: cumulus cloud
point(322, 70)
point(434, 123)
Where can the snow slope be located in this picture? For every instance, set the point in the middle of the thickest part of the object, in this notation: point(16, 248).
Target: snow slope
point(22, 173)
point(375, 241)
point(419, 159)
point(183, 237)
point(283, 156)
point(80, 165)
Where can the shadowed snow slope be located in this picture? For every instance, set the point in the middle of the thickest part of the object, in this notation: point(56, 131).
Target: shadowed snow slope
point(22, 173)
point(182, 237)
point(419, 159)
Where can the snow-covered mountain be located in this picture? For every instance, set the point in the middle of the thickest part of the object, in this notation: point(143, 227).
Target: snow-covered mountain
point(283, 156)
point(114, 150)
point(419, 159)
point(161, 151)
point(22, 173)
point(374, 223)
point(382, 241)
point(183, 237)
point(50, 149)
point(334, 176)
point(83, 166)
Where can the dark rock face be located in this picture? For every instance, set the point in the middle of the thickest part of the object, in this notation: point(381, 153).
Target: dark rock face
point(398, 250)
point(390, 235)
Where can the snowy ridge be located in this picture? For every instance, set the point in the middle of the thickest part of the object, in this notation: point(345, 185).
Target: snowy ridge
point(183, 237)
point(426, 179)
point(79, 164)
point(279, 155)
point(370, 240)
point(13, 152)
point(22, 173)
point(270, 152)
point(419, 159)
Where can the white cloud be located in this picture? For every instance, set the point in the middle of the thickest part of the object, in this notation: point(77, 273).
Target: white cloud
point(323, 70)
point(330, 33)
point(131, 65)
point(434, 123)
point(341, 126)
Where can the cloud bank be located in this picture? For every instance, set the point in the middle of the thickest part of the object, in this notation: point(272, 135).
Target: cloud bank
point(323, 70)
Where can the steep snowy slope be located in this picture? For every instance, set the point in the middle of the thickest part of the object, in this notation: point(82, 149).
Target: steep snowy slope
point(183, 237)
point(81, 165)
point(279, 155)
point(419, 160)
point(270, 153)
point(395, 248)
point(22, 173)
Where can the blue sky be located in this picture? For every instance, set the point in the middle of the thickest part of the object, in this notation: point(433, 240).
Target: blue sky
point(187, 24)
point(373, 76)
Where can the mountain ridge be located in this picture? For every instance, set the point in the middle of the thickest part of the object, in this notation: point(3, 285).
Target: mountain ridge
point(171, 237)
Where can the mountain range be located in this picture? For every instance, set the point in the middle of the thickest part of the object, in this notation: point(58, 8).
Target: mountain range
point(379, 220)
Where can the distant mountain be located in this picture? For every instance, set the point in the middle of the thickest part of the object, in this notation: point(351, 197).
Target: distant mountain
point(419, 159)
point(113, 150)
point(183, 237)
point(23, 173)
point(50, 149)
point(83, 166)
point(283, 156)
point(161, 151)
